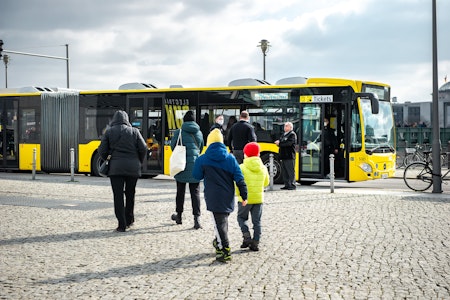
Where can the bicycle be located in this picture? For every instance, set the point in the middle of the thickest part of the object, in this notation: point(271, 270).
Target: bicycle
point(416, 155)
point(418, 176)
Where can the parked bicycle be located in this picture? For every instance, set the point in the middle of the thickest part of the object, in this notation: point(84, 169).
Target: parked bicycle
point(418, 176)
point(417, 154)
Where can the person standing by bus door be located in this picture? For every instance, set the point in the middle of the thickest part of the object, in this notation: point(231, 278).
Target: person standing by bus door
point(330, 145)
point(240, 135)
point(286, 153)
point(128, 149)
point(218, 123)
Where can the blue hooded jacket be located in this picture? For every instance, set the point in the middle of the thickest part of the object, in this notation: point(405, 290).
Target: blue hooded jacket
point(220, 171)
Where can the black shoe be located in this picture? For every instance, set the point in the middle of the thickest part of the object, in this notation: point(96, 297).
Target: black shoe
point(254, 246)
point(247, 240)
point(284, 188)
point(197, 222)
point(130, 224)
point(176, 218)
point(118, 229)
point(291, 188)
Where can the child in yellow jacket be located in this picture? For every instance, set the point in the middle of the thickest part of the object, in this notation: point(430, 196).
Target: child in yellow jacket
point(256, 177)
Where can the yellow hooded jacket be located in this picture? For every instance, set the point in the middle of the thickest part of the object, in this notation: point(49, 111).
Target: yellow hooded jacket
point(256, 177)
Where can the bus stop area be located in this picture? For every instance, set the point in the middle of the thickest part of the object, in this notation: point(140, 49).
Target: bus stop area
point(57, 241)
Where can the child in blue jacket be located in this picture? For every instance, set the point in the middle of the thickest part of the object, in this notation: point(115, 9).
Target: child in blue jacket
point(220, 171)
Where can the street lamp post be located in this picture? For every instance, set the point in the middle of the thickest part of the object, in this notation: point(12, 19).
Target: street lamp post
point(6, 61)
point(264, 45)
point(47, 56)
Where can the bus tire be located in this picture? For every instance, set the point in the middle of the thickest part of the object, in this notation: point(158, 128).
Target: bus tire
point(95, 164)
point(307, 182)
point(277, 178)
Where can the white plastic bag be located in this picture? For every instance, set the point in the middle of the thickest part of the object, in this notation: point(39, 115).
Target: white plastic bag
point(178, 158)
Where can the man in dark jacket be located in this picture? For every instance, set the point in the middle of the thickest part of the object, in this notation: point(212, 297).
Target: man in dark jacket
point(128, 149)
point(330, 145)
point(286, 154)
point(240, 135)
point(220, 172)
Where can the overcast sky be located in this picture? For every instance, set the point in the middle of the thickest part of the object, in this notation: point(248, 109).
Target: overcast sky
point(202, 43)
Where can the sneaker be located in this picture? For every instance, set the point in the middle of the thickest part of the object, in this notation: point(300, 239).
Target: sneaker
point(226, 255)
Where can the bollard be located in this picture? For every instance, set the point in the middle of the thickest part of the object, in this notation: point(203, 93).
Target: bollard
point(331, 173)
point(271, 171)
point(33, 165)
point(72, 164)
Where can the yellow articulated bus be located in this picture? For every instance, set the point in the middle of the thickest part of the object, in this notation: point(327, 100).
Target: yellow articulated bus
point(51, 122)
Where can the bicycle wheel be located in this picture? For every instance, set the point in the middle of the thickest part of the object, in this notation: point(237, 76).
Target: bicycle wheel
point(400, 161)
point(418, 176)
point(444, 161)
point(410, 158)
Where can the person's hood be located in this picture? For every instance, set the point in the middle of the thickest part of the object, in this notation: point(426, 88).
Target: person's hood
point(190, 127)
point(253, 163)
point(217, 151)
point(120, 117)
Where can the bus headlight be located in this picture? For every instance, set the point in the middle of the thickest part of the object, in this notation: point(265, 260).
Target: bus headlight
point(366, 167)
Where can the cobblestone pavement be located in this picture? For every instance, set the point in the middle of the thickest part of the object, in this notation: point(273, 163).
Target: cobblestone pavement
point(57, 242)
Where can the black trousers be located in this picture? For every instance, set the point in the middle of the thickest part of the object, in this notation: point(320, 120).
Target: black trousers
point(288, 172)
point(239, 155)
point(124, 211)
point(221, 220)
point(194, 189)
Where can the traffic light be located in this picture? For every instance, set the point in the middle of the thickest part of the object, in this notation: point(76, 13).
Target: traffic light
point(1, 48)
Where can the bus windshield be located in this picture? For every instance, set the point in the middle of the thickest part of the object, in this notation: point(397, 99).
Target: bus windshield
point(379, 128)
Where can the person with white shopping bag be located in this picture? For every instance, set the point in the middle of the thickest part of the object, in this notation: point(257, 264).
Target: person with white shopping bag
point(190, 136)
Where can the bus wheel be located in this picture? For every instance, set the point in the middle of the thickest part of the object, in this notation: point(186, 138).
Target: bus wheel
point(277, 178)
point(304, 182)
point(95, 164)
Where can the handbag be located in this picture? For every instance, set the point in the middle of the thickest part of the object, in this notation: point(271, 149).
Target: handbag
point(178, 157)
point(104, 167)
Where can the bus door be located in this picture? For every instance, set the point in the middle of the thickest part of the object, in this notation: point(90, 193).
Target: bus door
point(318, 141)
point(145, 112)
point(9, 134)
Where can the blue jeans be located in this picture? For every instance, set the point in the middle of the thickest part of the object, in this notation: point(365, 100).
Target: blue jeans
point(255, 210)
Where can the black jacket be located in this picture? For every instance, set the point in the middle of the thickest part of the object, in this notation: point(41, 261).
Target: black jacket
point(287, 145)
point(126, 146)
point(240, 135)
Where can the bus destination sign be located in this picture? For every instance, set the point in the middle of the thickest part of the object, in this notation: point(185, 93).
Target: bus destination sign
point(316, 99)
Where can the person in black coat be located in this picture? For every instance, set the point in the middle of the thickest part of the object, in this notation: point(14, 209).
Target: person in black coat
point(218, 123)
point(240, 135)
point(330, 145)
point(128, 149)
point(286, 145)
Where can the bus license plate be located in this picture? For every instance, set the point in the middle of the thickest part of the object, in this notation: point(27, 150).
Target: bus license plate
point(384, 176)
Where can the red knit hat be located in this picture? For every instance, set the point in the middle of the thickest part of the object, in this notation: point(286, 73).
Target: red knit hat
point(251, 149)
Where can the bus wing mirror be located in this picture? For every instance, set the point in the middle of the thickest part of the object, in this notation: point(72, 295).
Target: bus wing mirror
point(374, 103)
